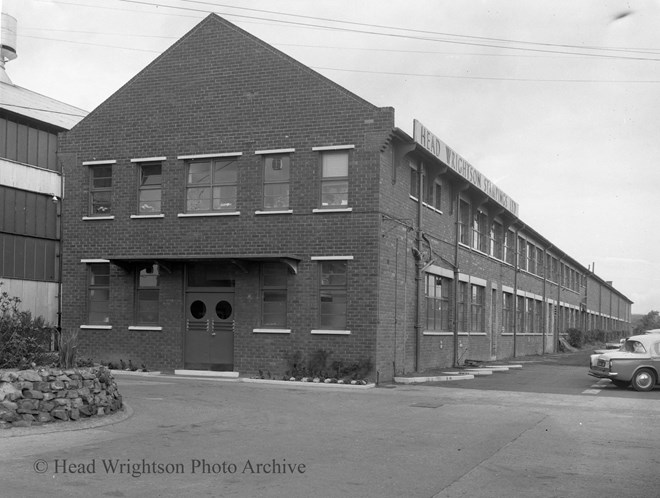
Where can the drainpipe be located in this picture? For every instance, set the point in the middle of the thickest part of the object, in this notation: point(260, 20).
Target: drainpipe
point(60, 238)
point(516, 270)
point(544, 313)
point(419, 264)
point(456, 283)
point(558, 312)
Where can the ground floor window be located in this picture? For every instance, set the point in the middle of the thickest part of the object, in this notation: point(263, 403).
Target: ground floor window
point(98, 293)
point(332, 292)
point(477, 308)
point(462, 299)
point(273, 295)
point(520, 314)
point(437, 303)
point(507, 312)
point(146, 296)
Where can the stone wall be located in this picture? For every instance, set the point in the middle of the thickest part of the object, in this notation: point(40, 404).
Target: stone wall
point(35, 397)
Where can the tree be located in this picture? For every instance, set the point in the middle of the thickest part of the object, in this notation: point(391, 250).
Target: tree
point(649, 321)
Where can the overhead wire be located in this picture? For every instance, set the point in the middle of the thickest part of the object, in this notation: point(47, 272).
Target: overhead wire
point(395, 35)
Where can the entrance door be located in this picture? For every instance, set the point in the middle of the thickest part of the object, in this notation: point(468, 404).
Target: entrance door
point(209, 331)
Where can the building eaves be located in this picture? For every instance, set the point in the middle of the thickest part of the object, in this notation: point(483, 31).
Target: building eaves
point(24, 102)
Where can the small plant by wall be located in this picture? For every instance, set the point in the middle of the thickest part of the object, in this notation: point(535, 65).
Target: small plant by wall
point(319, 368)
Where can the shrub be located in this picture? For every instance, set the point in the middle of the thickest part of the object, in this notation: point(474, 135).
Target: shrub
point(575, 337)
point(24, 340)
point(67, 345)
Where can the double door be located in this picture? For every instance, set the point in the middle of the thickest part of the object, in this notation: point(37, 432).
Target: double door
point(209, 343)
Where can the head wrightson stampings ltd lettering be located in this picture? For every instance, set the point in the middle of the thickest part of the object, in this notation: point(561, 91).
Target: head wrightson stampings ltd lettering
point(457, 163)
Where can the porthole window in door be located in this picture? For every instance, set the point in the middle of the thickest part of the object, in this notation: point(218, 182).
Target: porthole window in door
point(223, 309)
point(198, 309)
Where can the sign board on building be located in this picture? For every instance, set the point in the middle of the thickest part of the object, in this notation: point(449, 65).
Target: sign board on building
point(448, 156)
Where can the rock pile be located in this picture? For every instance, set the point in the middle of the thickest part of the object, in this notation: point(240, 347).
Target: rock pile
point(34, 397)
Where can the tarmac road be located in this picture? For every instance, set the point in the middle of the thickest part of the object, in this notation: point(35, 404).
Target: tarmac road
point(192, 437)
point(564, 373)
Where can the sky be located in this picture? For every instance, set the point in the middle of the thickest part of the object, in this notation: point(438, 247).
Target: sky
point(556, 102)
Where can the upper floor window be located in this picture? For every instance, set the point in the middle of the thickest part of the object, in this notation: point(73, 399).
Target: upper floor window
point(98, 293)
point(437, 195)
point(414, 180)
point(148, 290)
point(480, 231)
point(212, 185)
point(276, 181)
point(531, 258)
point(510, 247)
point(522, 253)
point(100, 190)
point(150, 188)
point(463, 222)
point(496, 240)
point(334, 179)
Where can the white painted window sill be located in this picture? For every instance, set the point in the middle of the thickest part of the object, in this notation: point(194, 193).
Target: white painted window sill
point(271, 331)
point(145, 328)
point(97, 218)
point(96, 327)
point(450, 334)
point(198, 215)
point(331, 332)
point(284, 211)
point(146, 216)
point(332, 210)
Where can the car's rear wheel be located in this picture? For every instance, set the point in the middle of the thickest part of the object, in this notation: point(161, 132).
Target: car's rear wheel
point(643, 380)
point(620, 383)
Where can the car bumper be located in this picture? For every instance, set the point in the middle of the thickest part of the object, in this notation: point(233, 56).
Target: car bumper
point(602, 374)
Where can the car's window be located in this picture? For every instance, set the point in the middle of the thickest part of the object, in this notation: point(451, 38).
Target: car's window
point(634, 347)
point(656, 349)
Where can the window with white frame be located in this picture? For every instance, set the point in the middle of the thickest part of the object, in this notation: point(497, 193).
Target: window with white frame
point(333, 294)
point(334, 179)
point(437, 302)
point(150, 188)
point(276, 181)
point(211, 185)
point(98, 293)
point(147, 295)
point(273, 295)
point(100, 190)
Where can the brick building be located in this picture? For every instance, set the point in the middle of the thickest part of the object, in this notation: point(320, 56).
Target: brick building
point(229, 207)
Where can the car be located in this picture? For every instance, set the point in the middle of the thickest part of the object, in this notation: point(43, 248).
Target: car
point(636, 363)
